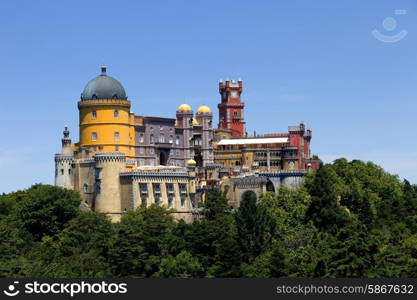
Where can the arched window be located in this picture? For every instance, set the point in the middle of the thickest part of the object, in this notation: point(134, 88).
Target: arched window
point(116, 148)
point(162, 138)
point(177, 140)
point(94, 136)
point(235, 115)
point(116, 114)
point(85, 188)
point(93, 114)
point(62, 171)
point(171, 139)
point(152, 139)
point(116, 136)
point(141, 138)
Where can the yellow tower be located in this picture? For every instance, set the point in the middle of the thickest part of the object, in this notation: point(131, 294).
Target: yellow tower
point(106, 124)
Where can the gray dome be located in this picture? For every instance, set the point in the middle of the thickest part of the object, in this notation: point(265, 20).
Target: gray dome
point(103, 87)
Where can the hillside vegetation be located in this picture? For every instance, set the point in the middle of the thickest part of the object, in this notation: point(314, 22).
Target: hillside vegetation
point(350, 219)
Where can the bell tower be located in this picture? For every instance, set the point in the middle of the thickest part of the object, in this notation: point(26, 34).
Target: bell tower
point(230, 108)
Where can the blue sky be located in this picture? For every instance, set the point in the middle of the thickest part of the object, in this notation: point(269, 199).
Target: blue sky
point(315, 61)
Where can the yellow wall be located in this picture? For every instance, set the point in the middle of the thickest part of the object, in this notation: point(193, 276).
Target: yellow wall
point(287, 164)
point(105, 125)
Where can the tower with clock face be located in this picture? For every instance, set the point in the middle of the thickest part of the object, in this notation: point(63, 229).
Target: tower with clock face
point(231, 108)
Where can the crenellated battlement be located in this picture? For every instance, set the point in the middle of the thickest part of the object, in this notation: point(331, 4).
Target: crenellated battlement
point(104, 102)
point(60, 157)
point(227, 84)
point(110, 156)
point(284, 173)
point(155, 174)
point(250, 182)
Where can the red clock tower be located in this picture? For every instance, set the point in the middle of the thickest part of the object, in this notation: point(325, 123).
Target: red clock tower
point(231, 109)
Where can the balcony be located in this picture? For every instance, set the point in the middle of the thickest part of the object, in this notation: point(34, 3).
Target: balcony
point(165, 145)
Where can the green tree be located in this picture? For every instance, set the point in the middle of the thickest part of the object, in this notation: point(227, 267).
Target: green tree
point(141, 241)
point(370, 193)
point(410, 198)
point(390, 262)
point(46, 260)
point(325, 210)
point(88, 232)
point(15, 240)
point(184, 265)
point(287, 211)
point(215, 205)
point(222, 233)
point(157, 226)
point(270, 264)
point(248, 226)
point(214, 243)
point(409, 247)
point(348, 253)
point(80, 250)
point(128, 253)
point(44, 209)
point(8, 203)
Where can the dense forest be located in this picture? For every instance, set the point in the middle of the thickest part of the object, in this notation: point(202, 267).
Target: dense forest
point(350, 219)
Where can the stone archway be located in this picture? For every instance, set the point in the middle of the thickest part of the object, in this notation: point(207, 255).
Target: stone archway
point(270, 186)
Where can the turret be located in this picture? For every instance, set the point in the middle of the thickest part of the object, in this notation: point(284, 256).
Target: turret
point(63, 163)
point(204, 117)
point(185, 121)
point(231, 108)
point(107, 189)
point(105, 119)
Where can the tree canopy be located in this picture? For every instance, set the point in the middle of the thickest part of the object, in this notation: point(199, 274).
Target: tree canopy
point(349, 219)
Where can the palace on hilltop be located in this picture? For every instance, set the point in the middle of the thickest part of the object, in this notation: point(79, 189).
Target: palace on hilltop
point(123, 161)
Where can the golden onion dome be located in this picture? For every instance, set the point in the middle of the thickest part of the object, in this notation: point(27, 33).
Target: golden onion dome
point(204, 109)
point(184, 107)
point(191, 163)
